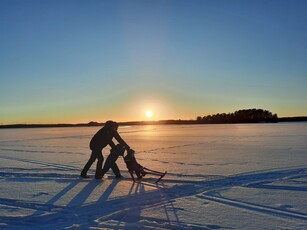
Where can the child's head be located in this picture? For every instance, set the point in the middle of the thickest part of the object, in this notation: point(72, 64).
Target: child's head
point(130, 152)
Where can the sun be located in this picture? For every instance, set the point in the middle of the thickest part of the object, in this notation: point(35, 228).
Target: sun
point(149, 113)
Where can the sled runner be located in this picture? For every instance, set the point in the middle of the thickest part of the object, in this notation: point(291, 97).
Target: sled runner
point(153, 172)
point(161, 177)
point(150, 172)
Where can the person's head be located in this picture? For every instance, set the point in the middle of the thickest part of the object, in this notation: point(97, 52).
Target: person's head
point(115, 125)
point(111, 125)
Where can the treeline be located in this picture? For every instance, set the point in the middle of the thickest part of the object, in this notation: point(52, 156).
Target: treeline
point(240, 116)
point(43, 126)
point(292, 119)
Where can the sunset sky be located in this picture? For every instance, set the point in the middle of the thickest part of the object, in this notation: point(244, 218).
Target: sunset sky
point(73, 61)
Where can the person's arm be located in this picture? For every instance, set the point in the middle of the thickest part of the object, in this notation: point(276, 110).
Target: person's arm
point(135, 163)
point(120, 140)
point(112, 145)
point(129, 163)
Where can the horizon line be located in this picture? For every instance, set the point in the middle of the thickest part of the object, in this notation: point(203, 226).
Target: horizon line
point(95, 123)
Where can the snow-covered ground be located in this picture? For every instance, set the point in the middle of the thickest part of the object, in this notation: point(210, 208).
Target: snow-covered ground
point(251, 176)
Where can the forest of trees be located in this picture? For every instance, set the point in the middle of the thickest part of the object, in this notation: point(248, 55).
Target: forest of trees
point(240, 116)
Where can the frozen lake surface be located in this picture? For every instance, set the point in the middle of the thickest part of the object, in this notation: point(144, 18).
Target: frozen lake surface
point(239, 176)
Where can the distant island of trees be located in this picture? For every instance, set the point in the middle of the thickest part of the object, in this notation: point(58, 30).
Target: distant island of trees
point(240, 116)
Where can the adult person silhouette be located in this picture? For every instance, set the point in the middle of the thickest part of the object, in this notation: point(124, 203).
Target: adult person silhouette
point(100, 140)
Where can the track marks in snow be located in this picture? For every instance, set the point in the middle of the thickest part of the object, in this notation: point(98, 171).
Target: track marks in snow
point(54, 165)
point(260, 180)
point(39, 151)
point(160, 196)
point(255, 207)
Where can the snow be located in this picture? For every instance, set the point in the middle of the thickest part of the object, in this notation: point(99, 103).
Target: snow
point(239, 176)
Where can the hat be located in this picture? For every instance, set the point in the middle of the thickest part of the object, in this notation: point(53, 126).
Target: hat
point(111, 124)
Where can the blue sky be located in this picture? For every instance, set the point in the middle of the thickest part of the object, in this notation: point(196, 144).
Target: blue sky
point(78, 61)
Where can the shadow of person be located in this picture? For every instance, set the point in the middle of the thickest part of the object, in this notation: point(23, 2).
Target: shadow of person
point(58, 196)
point(136, 188)
point(108, 191)
point(81, 197)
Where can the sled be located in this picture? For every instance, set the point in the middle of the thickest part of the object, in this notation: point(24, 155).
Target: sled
point(151, 172)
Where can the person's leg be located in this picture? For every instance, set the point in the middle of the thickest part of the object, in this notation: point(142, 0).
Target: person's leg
point(116, 171)
point(99, 156)
point(88, 165)
point(138, 173)
point(142, 171)
point(110, 161)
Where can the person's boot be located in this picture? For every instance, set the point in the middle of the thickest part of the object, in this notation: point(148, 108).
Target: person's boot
point(119, 176)
point(84, 175)
point(98, 176)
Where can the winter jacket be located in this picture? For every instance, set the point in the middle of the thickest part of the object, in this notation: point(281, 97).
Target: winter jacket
point(104, 137)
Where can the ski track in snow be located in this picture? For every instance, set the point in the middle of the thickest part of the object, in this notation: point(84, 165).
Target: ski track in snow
point(163, 195)
point(43, 210)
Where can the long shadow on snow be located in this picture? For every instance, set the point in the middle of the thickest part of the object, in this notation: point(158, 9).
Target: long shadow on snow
point(103, 209)
point(139, 199)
